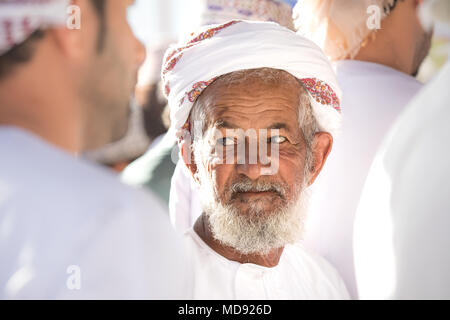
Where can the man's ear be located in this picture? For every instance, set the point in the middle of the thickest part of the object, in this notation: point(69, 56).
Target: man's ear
point(188, 158)
point(77, 43)
point(323, 143)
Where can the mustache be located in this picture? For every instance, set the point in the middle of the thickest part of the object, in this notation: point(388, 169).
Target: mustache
point(247, 185)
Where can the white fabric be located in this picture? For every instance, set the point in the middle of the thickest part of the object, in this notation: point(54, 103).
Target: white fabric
point(299, 275)
point(184, 202)
point(239, 45)
point(57, 211)
point(19, 19)
point(220, 11)
point(374, 95)
point(403, 218)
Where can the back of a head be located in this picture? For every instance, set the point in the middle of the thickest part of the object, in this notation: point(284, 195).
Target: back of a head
point(22, 26)
point(380, 31)
point(340, 27)
point(63, 59)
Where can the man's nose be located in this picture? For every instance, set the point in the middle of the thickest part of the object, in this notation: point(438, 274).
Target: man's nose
point(247, 160)
point(252, 171)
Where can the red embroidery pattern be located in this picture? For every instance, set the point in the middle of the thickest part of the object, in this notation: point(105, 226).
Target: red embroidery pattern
point(211, 32)
point(175, 56)
point(167, 89)
point(172, 59)
point(198, 88)
point(322, 92)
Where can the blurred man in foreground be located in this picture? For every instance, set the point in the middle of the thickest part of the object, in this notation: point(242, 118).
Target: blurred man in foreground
point(402, 242)
point(69, 229)
point(255, 131)
point(377, 47)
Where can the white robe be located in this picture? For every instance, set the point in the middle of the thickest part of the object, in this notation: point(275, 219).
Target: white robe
point(403, 219)
point(67, 225)
point(373, 96)
point(299, 275)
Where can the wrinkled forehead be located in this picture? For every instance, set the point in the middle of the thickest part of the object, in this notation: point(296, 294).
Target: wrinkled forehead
point(252, 104)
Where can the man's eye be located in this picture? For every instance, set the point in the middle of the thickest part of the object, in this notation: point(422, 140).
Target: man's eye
point(277, 139)
point(227, 141)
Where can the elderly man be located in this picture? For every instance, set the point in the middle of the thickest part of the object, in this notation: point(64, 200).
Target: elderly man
point(255, 107)
point(376, 46)
point(69, 229)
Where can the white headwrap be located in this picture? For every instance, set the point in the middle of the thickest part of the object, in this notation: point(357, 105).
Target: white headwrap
point(192, 65)
point(20, 18)
point(339, 27)
point(221, 11)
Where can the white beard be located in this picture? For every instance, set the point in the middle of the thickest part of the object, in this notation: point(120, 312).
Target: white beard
point(254, 236)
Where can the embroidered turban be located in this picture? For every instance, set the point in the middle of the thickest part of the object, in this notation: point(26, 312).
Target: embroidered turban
point(20, 18)
point(340, 27)
point(193, 64)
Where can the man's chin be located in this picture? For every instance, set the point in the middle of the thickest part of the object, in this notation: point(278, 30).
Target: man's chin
point(121, 128)
point(261, 208)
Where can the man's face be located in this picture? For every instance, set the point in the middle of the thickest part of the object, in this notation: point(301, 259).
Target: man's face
point(111, 76)
point(256, 106)
point(247, 209)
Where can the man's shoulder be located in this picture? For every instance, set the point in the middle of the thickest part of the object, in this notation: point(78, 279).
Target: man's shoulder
point(74, 212)
point(373, 78)
point(43, 181)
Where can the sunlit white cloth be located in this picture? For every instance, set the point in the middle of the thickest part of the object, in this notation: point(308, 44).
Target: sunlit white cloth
point(20, 18)
point(402, 240)
point(299, 275)
point(57, 211)
point(374, 96)
point(194, 63)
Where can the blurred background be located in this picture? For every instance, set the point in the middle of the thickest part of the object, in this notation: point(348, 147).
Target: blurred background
point(157, 23)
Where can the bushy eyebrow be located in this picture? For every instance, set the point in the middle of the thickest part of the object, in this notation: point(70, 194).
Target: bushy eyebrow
point(279, 126)
point(222, 124)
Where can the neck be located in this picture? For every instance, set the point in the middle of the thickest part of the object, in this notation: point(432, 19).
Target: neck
point(394, 44)
point(40, 105)
point(383, 52)
point(203, 228)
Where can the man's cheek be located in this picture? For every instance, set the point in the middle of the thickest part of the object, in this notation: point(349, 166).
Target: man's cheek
point(219, 177)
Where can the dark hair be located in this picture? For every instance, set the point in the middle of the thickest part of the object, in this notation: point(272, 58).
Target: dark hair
point(389, 7)
point(99, 6)
point(24, 51)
